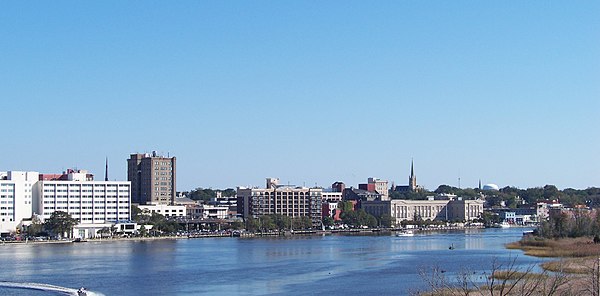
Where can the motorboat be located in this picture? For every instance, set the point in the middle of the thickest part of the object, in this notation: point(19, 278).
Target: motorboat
point(504, 224)
point(82, 292)
point(405, 233)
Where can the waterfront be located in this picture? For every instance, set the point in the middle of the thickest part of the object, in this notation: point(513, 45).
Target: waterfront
point(301, 265)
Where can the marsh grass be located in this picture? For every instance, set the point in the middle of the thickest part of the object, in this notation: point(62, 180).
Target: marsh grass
point(566, 247)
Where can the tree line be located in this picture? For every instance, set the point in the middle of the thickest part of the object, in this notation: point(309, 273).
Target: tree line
point(511, 196)
point(575, 223)
point(205, 194)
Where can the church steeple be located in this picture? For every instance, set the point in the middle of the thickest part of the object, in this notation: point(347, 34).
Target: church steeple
point(106, 171)
point(412, 180)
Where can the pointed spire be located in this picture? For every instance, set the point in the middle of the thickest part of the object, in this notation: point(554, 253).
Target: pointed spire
point(412, 168)
point(479, 184)
point(106, 170)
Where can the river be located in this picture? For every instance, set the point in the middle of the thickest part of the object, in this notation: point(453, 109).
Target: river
point(301, 265)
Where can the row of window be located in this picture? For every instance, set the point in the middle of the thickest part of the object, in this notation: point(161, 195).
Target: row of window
point(86, 185)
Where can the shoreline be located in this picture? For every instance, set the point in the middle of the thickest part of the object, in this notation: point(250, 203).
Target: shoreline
point(371, 231)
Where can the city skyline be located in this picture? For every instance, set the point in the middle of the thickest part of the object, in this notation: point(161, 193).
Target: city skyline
point(506, 93)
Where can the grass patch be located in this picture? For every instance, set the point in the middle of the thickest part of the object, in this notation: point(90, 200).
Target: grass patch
point(573, 266)
point(515, 275)
point(566, 247)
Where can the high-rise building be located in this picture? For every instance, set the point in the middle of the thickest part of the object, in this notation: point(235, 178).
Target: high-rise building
point(16, 198)
point(153, 179)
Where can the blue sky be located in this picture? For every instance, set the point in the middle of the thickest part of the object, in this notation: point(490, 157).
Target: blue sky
point(311, 92)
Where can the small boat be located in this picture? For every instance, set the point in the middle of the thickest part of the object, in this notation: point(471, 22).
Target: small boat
point(528, 232)
point(82, 292)
point(501, 225)
point(405, 233)
point(79, 240)
point(451, 247)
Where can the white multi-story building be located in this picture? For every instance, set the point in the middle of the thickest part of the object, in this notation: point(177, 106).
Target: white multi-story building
point(332, 197)
point(16, 198)
point(94, 204)
point(165, 210)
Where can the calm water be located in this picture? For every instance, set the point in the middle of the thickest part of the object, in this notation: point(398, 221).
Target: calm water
point(315, 265)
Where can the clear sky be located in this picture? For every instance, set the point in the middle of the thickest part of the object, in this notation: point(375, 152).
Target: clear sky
point(308, 91)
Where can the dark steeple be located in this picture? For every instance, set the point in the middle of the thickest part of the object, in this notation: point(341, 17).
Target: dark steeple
point(106, 170)
point(412, 181)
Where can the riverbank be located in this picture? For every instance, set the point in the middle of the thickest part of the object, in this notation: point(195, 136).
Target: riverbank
point(358, 231)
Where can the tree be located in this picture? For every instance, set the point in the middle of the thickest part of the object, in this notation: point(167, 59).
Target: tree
point(60, 223)
point(385, 220)
point(252, 224)
point(201, 194)
point(306, 222)
point(328, 221)
point(229, 192)
point(36, 226)
point(136, 214)
point(266, 223)
point(551, 192)
point(143, 231)
point(346, 206)
point(237, 225)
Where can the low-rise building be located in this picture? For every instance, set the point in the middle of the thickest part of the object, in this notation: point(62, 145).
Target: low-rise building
point(432, 209)
point(165, 210)
point(544, 208)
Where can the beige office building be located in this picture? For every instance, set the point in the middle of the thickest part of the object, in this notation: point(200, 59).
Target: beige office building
point(441, 210)
point(153, 179)
point(283, 200)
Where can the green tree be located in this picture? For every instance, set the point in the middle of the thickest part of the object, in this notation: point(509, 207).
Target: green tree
point(306, 222)
point(60, 223)
point(36, 227)
point(201, 194)
point(346, 206)
point(229, 192)
point(237, 225)
point(328, 221)
point(266, 223)
point(252, 224)
point(385, 220)
point(551, 192)
point(350, 218)
point(137, 215)
point(143, 231)
point(371, 221)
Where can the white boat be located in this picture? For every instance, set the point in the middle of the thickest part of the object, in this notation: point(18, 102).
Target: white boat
point(501, 225)
point(405, 233)
point(82, 292)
